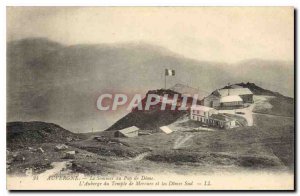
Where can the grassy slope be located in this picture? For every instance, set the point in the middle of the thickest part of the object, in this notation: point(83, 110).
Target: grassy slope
point(247, 147)
point(267, 145)
point(278, 135)
point(283, 106)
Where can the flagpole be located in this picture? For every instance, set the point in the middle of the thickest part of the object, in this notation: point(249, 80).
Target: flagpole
point(165, 81)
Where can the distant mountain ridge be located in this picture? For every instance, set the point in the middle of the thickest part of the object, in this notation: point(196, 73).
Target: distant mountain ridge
point(48, 81)
point(256, 90)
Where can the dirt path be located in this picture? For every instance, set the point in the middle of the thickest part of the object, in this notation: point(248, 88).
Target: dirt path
point(247, 113)
point(181, 141)
point(134, 159)
point(140, 156)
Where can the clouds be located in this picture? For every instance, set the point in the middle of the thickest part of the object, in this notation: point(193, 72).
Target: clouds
point(213, 34)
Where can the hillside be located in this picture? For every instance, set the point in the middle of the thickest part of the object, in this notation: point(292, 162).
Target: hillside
point(27, 50)
point(270, 103)
point(22, 134)
point(280, 106)
point(266, 146)
point(51, 82)
point(151, 119)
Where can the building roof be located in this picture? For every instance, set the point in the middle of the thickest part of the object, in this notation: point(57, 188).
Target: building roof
point(235, 91)
point(129, 130)
point(201, 108)
point(221, 117)
point(212, 95)
point(230, 98)
point(166, 129)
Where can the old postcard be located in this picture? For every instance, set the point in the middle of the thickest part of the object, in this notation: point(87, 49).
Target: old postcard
point(150, 98)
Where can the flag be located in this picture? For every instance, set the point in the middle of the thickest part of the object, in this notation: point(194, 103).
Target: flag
point(170, 72)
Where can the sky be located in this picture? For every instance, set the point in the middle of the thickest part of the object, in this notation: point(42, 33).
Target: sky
point(228, 34)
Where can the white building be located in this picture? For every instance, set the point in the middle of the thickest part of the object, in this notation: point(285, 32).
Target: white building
point(229, 97)
point(132, 131)
point(201, 113)
point(245, 94)
point(211, 117)
point(231, 100)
